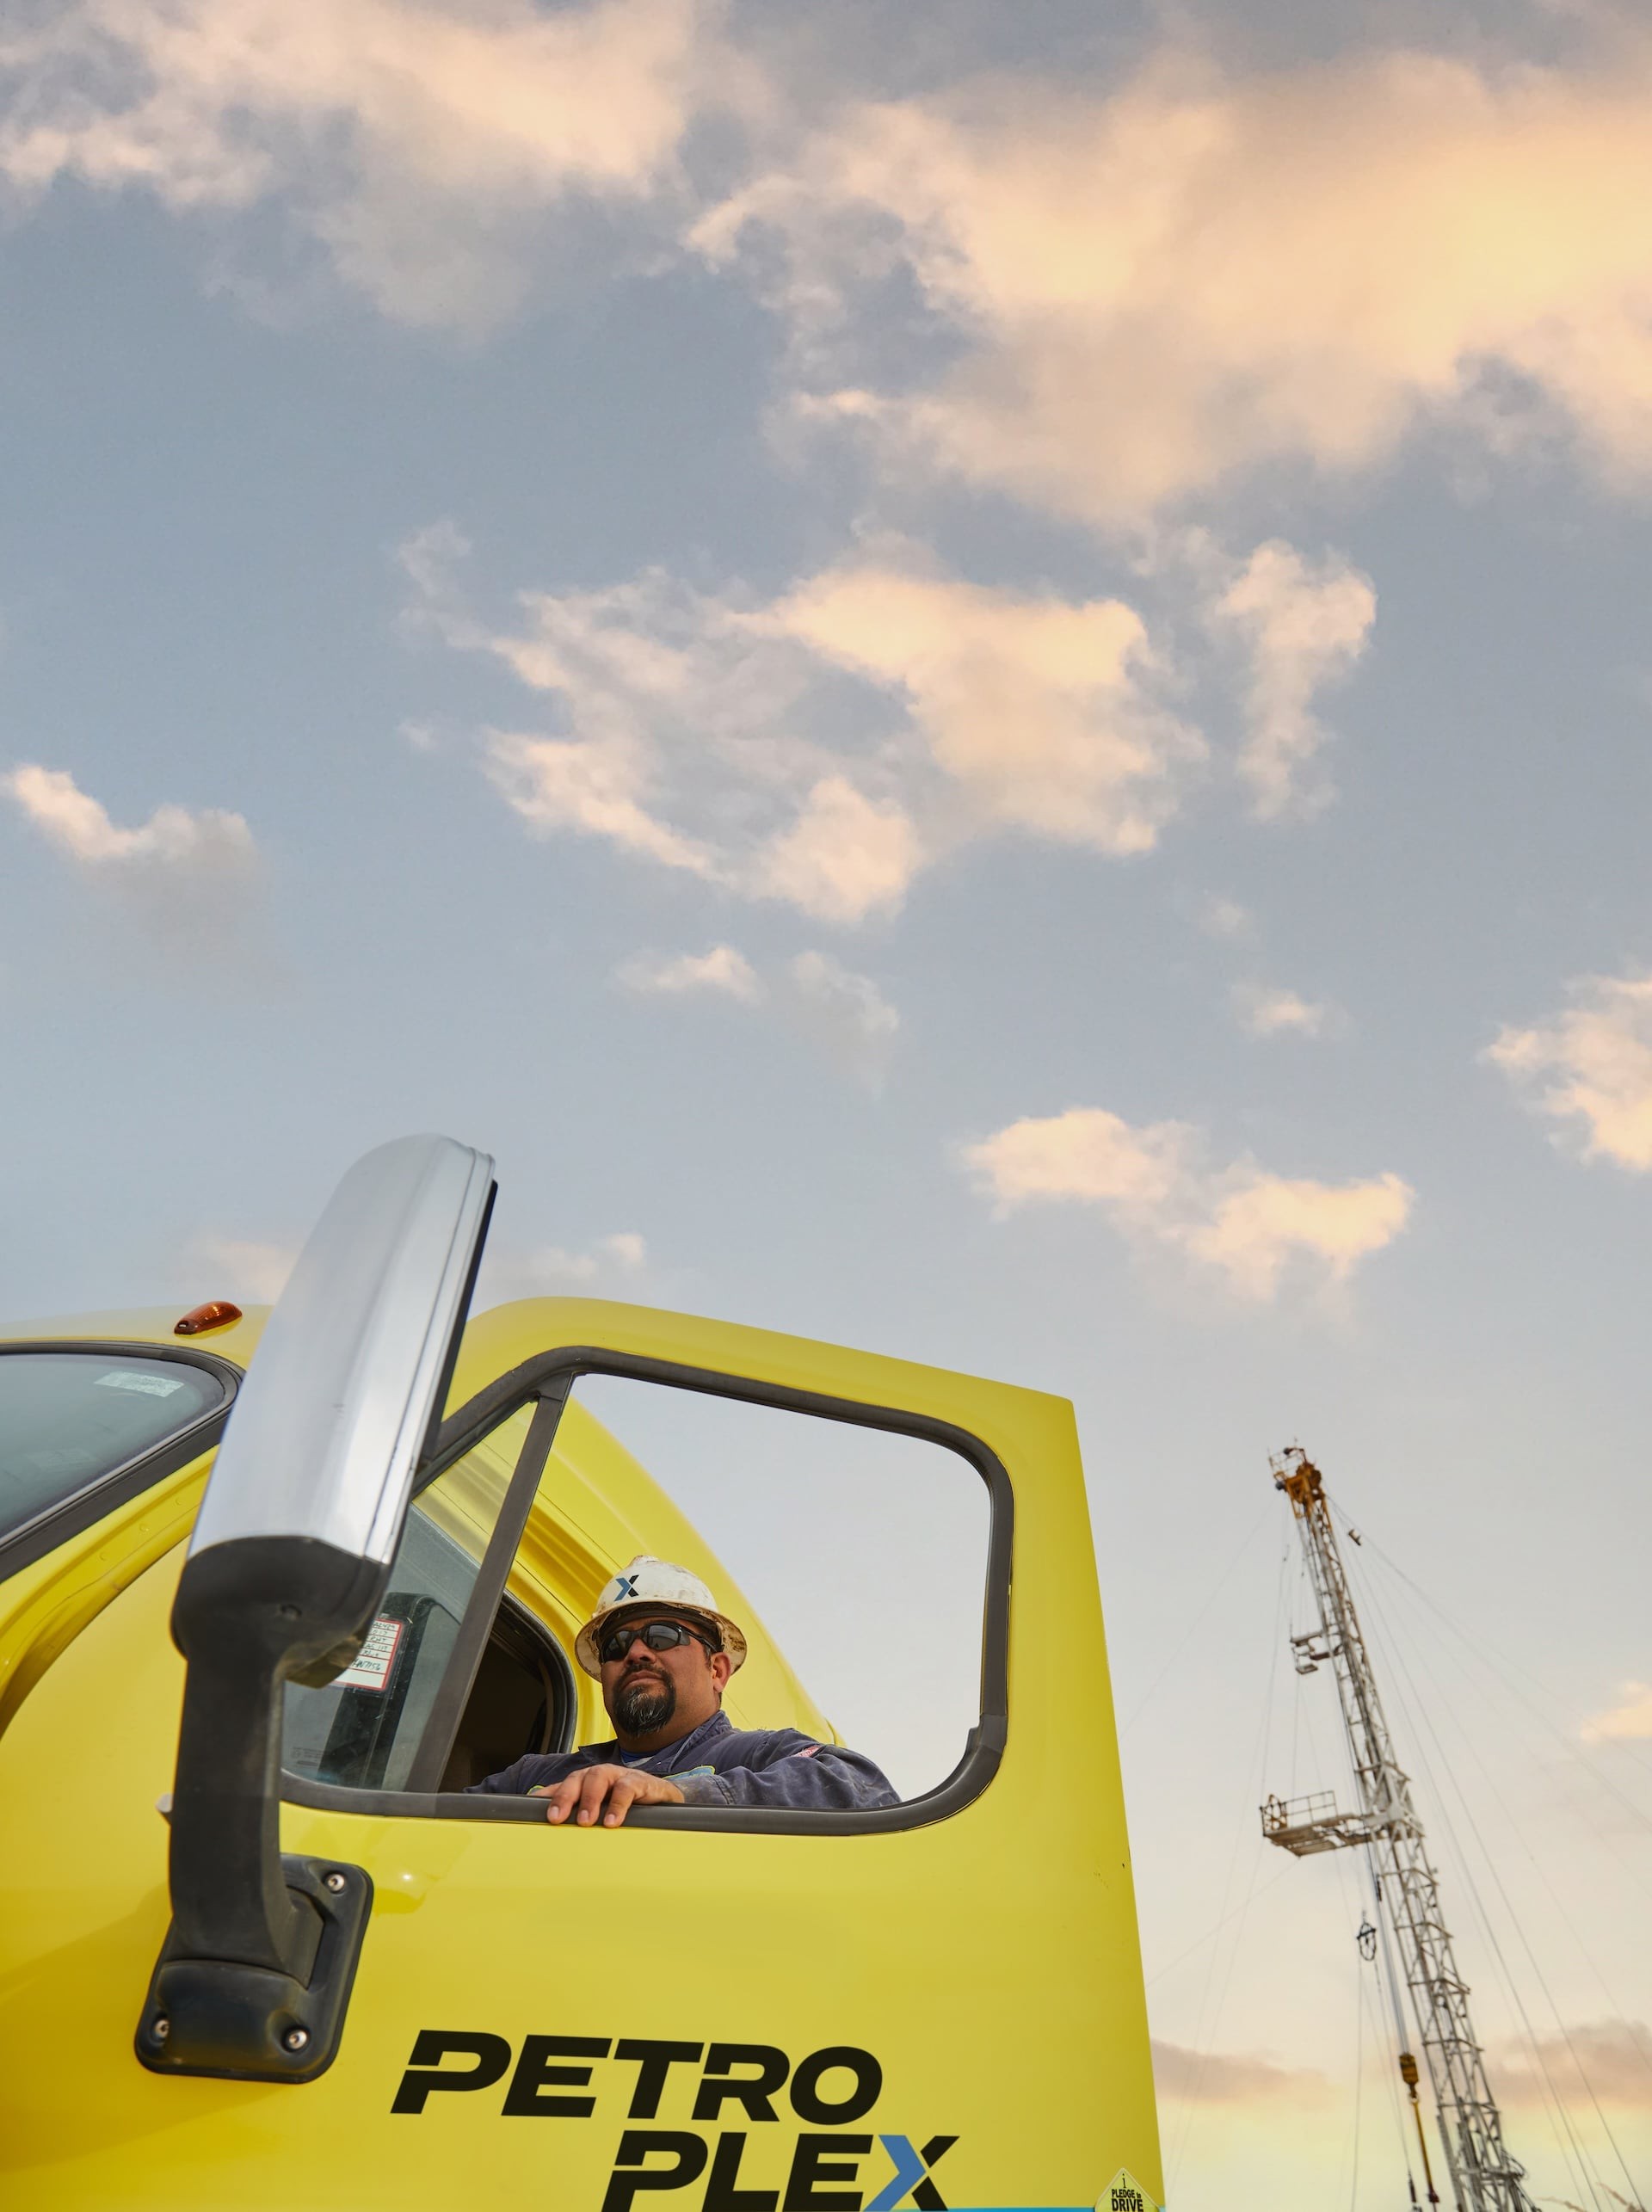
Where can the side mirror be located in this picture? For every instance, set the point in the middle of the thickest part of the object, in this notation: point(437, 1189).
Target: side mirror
point(288, 1562)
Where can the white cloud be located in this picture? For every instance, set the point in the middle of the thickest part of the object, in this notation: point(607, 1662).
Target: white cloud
point(1253, 1227)
point(1225, 917)
point(1301, 627)
point(415, 141)
point(236, 1267)
point(683, 746)
point(255, 1273)
point(845, 856)
point(1591, 1065)
point(614, 1263)
point(1140, 288)
point(598, 785)
point(1593, 2062)
point(845, 1014)
point(1086, 1154)
point(186, 874)
point(1260, 1223)
point(1151, 289)
point(1263, 1011)
point(723, 969)
point(79, 825)
point(823, 748)
point(1042, 710)
point(1183, 2076)
point(1630, 1721)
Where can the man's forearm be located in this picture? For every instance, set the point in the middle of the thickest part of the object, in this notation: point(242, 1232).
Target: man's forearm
point(825, 1778)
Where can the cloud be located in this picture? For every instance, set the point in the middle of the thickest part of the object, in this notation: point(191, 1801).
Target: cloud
point(1630, 1721)
point(614, 1263)
point(1042, 710)
point(1591, 1065)
point(1263, 1011)
point(187, 875)
point(1301, 627)
point(723, 969)
point(77, 824)
point(1253, 1228)
point(235, 1267)
point(599, 786)
point(1225, 917)
point(1184, 2076)
point(686, 740)
point(844, 856)
point(1611, 2058)
point(847, 1014)
point(824, 747)
point(1135, 294)
point(1108, 296)
point(415, 141)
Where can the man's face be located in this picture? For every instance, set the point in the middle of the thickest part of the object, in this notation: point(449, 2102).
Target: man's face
point(658, 1695)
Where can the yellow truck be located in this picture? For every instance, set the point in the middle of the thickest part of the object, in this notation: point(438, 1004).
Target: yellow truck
point(275, 1591)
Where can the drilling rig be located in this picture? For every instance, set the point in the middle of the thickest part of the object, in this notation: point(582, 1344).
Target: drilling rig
point(1484, 2177)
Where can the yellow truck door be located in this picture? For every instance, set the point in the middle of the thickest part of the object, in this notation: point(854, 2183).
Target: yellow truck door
point(935, 2003)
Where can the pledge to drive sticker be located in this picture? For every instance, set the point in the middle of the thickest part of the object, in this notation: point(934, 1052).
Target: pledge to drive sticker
point(1123, 2193)
point(152, 1386)
point(371, 1667)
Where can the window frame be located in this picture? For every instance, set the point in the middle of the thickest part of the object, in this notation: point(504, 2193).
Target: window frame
point(56, 1524)
point(549, 1376)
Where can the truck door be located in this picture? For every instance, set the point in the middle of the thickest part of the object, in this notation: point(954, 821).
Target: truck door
point(771, 2008)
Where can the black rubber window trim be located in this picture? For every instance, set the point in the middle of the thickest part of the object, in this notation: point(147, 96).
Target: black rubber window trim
point(464, 1428)
point(55, 1524)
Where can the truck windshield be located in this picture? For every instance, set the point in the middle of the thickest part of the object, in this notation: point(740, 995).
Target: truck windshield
point(67, 1419)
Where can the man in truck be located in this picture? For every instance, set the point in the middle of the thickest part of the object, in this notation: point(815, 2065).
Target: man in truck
point(663, 1653)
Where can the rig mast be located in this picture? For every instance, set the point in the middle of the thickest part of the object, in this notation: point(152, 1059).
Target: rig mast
point(1484, 2177)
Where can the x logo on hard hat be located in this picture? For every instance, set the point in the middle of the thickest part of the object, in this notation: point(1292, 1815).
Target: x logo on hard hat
point(627, 1586)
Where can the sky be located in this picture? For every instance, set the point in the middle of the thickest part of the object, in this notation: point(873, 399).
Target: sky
point(972, 680)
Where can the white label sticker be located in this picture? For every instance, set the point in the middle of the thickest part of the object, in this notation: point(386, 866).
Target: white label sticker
point(152, 1386)
point(373, 1663)
point(1123, 2193)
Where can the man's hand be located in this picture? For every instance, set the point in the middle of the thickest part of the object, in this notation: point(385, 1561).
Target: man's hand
point(610, 1791)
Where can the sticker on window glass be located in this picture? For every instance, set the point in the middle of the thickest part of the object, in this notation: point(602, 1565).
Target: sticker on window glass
point(152, 1386)
point(373, 1663)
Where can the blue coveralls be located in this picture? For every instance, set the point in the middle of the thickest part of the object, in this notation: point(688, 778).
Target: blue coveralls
point(717, 1764)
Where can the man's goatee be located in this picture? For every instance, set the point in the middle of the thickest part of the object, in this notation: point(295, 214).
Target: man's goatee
point(643, 1705)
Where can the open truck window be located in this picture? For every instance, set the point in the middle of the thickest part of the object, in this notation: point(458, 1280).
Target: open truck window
point(866, 1560)
point(76, 1424)
point(860, 1552)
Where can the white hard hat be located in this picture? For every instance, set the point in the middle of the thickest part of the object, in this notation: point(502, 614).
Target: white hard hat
point(651, 1581)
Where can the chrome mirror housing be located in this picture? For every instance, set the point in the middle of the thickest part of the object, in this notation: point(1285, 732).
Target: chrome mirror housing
point(356, 1357)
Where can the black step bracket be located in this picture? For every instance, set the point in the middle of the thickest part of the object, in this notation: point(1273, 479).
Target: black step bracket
point(240, 2023)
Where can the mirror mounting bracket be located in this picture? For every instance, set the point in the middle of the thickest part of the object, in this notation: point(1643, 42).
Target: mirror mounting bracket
point(250, 2023)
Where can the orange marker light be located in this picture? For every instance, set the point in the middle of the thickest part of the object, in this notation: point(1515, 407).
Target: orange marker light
point(217, 1313)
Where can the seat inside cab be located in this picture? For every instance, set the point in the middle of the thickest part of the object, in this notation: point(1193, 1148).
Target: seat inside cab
point(363, 1730)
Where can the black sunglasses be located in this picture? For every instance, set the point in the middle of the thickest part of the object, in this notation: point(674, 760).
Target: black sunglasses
point(658, 1635)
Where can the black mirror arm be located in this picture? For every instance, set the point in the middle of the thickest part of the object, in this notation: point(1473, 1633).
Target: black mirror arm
point(256, 1967)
